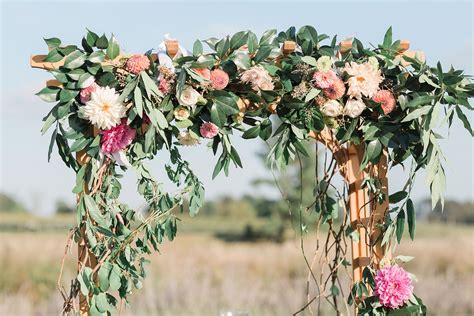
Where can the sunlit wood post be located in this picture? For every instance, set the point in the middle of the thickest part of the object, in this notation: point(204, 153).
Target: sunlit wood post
point(84, 256)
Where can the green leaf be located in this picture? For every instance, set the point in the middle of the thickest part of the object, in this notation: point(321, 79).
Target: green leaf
point(53, 56)
point(52, 42)
point(400, 225)
point(397, 197)
point(251, 132)
point(102, 42)
point(419, 100)
point(313, 93)
point(252, 43)
point(96, 57)
point(226, 104)
point(93, 210)
point(373, 151)
point(85, 281)
point(417, 113)
point(49, 94)
point(101, 302)
point(387, 40)
point(91, 38)
point(238, 39)
point(218, 117)
point(197, 48)
point(75, 60)
point(65, 95)
point(309, 60)
point(138, 99)
point(103, 275)
point(150, 85)
point(464, 120)
point(411, 218)
point(85, 80)
point(262, 53)
point(114, 278)
point(113, 50)
point(268, 37)
point(308, 33)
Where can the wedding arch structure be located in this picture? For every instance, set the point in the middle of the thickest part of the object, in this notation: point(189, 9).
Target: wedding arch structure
point(370, 108)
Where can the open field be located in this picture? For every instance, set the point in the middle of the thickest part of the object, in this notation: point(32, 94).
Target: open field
point(198, 274)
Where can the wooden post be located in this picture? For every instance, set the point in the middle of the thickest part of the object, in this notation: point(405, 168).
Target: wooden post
point(84, 256)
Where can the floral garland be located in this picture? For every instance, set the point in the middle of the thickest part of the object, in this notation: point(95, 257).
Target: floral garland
point(120, 110)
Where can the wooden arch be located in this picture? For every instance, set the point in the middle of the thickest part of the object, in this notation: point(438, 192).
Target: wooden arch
point(365, 211)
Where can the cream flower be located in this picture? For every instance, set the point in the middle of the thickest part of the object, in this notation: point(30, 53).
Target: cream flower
point(258, 77)
point(181, 113)
point(354, 108)
point(364, 80)
point(324, 63)
point(103, 109)
point(189, 96)
point(186, 139)
point(332, 108)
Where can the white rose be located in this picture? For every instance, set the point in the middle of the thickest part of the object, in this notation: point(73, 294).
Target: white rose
point(332, 108)
point(354, 108)
point(189, 96)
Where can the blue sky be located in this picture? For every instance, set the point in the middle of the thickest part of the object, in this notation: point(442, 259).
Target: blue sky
point(442, 29)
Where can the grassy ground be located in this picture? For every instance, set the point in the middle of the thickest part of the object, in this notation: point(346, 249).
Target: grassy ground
point(198, 274)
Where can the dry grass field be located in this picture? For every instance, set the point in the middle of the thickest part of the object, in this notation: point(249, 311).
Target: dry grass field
point(198, 274)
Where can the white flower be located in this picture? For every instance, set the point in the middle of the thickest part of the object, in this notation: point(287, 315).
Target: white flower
point(373, 62)
point(258, 77)
point(186, 139)
point(189, 96)
point(103, 109)
point(181, 113)
point(332, 108)
point(364, 80)
point(324, 63)
point(354, 108)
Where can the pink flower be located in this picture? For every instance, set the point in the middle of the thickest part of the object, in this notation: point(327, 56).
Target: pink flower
point(137, 63)
point(386, 100)
point(203, 72)
point(219, 79)
point(324, 79)
point(117, 138)
point(393, 286)
point(209, 130)
point(85, 93)
point(164, 86)
point(336, 90)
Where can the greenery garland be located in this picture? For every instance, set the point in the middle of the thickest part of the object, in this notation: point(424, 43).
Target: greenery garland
point(137, 107)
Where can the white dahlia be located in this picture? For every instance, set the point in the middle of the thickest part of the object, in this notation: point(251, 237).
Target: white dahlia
point(103, 109)
point(364, 79)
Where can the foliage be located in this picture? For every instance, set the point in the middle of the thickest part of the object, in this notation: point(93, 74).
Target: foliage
point(167, 109)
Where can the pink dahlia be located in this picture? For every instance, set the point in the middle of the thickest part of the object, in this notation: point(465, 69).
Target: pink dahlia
point(324, 79)
point(209, 130)
point(386, 100)
point(219, 79)
point(336, 90)
point(85, 93)
point(393, 286)
point(203, 72)
point(164, 86)
point(117, 138)
point(137, 63)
